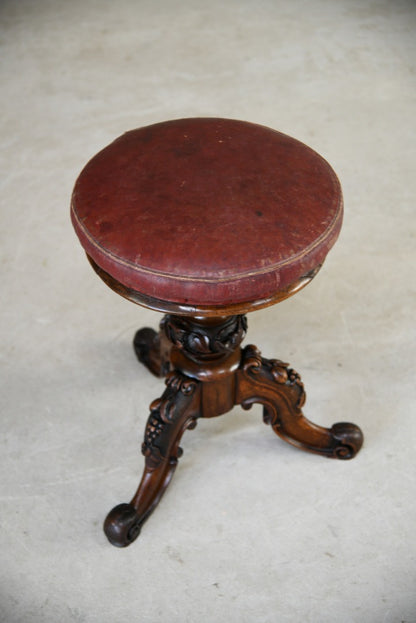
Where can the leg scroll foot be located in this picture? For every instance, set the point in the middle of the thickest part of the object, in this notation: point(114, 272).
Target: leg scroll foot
point(122, 525)
point(176, 411)
point(280, 389)
point(151, 350)
point(348, 439)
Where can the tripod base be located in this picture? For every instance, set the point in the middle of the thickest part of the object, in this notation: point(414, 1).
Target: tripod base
point(207, 374)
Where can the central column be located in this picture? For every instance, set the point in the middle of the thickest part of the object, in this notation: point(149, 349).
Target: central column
point(208, 349)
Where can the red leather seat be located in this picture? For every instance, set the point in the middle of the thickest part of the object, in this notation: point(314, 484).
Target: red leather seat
point(207, 211)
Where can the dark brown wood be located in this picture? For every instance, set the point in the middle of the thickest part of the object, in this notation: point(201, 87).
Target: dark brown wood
point(153, 350)
point(169, 417)
point(280, 390)
point(207, 375)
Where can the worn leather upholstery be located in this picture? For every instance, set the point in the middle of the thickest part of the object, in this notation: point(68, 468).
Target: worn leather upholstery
point(207, 211)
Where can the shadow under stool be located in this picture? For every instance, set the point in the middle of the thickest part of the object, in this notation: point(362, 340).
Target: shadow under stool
point(206, 219)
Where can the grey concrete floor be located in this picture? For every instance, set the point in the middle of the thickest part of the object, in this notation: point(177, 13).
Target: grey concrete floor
point(251, 529)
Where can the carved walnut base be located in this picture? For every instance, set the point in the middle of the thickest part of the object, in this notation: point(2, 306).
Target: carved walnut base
point(207, 375)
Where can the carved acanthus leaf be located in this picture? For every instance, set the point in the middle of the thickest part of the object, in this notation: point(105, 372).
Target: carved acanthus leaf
point(202, 342)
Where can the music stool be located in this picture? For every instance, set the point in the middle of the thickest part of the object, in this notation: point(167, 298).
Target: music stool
point(205, 220)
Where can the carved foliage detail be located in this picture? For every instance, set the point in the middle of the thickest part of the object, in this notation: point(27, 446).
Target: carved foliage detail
point(275, 369)
point(203, 342)
point(164, 412)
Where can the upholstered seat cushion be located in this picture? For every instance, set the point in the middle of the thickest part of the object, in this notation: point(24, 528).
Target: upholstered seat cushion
point(207, 211)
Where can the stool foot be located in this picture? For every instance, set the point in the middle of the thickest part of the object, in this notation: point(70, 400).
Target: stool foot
point(122, 525)
point(149, 348)
point(170, 415)
point(348, 439)
point(280, 389)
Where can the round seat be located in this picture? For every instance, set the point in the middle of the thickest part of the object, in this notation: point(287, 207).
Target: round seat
point(204, 213)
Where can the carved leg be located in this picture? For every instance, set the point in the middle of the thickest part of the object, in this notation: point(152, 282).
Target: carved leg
point(280, 390)
point(153, 350)
point(177, 410)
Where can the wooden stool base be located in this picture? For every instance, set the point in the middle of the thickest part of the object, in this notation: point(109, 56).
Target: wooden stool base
point(207, 374)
